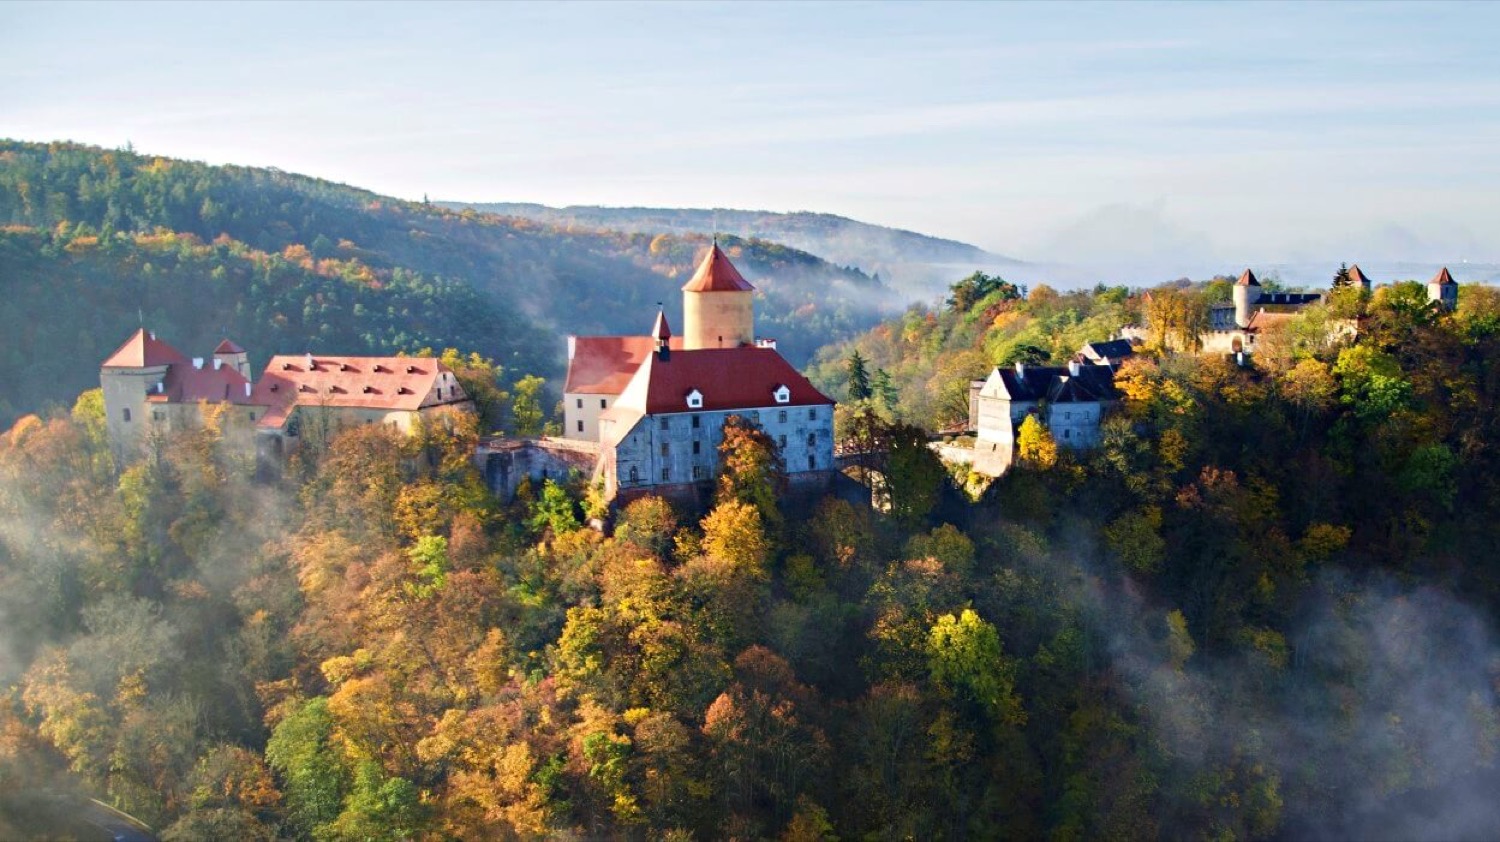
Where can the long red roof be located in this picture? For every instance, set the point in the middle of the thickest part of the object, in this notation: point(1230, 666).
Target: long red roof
point(389, 383)
point(144, 350)
point(717, 274)
point(727, 378)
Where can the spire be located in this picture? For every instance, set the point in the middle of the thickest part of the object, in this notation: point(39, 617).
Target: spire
point(1442, 277)
point(661, 330)
point(1247, 280)
point(717, 274)
point(1358, 277)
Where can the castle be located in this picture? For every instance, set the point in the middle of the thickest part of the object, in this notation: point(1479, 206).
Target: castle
point(1252, 313)
point(152, 388)
point(655, 405)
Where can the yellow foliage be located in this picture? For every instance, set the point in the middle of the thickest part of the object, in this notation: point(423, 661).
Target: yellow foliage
point(1034, 444)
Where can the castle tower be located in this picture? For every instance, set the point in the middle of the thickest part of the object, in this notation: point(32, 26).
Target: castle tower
point(717, 307)
point(1443, 290)
point(1246, 293)
point(1359, 278)
point(233, 356)
point(129, 374)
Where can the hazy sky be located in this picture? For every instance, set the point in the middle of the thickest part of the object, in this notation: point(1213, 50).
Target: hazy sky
point(1044, 131)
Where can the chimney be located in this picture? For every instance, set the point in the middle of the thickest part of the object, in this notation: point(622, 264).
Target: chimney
point(1020, 369)
point(198, 362)
point(1239, 358)
point(247, 389)
point(153, 336)
point(218, 363)
point(312, 364)
point(1074, 367)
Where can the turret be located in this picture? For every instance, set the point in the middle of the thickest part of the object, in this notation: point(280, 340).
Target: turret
point(662, 334)
point(717, 305)
point(133, 371)
point(1443, 290)
point(1359, 278)
point(1246, 293)
point(233, 356)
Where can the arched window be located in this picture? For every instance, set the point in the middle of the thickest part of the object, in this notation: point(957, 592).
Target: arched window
point(635, 474)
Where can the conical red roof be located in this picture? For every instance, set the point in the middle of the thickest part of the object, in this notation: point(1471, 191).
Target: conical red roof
point(228, 347)
point(717, 274)
point(144, 350)
point(1357, 276)
point(1442, 277)
point(1247, 280)
point(660, 330)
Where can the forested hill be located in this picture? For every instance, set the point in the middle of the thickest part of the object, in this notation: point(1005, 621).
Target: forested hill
point(915, 263)
point(285, 263)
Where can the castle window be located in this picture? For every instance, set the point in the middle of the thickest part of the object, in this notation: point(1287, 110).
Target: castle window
point(812, 462)
point(666, 423)
point(781, 417)
point(1067, 434)
point(580, 426)
point(697, 447)
point(665, 449)
point(158, 415)
point(812, 413)
point(126, 413)
point(666, 474)
point(755, 415)
point(1068, 416)
point(697, 422)
point(697, 472)
point(812, 440)
point(635, 474)
point(601, 403)
point(252, 416)
point(580, 403)
point(781, 440)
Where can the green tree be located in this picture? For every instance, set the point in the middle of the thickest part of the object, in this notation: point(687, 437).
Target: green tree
point(527, 408)
point(859, 377)
point(964, 655)
point(1034, 444)
point(313, 775)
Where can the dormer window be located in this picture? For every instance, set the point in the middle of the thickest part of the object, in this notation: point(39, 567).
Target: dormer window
point(782, 394)
point(695, 399)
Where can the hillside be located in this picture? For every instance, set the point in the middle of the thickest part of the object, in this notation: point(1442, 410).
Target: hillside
point(288, 263)
point(916, 264)
point(1263, 608)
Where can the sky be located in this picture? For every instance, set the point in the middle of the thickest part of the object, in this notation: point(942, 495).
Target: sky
point(1070, 131)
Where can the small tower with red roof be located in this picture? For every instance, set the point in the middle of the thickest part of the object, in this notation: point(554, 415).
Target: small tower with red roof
point(717, 305)
point(231, 355)
point(127, 378)
point(1442, 290)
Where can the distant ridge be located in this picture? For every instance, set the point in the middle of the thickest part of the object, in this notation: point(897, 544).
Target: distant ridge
point(906, 259)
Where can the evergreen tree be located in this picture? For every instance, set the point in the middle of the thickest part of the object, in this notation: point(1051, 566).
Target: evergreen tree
point(859, 378)
point(1341, 278)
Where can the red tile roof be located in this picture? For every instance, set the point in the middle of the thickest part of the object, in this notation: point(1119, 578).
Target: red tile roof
point(1358, 276)
point(717, 274)
point(728, 378)
point(1247, 280)
point(186, 384)
point(388, 383)
point(144, 350)
point(1442, 277)
point(228, 347)
point(603, 365)
point(1263, 320)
